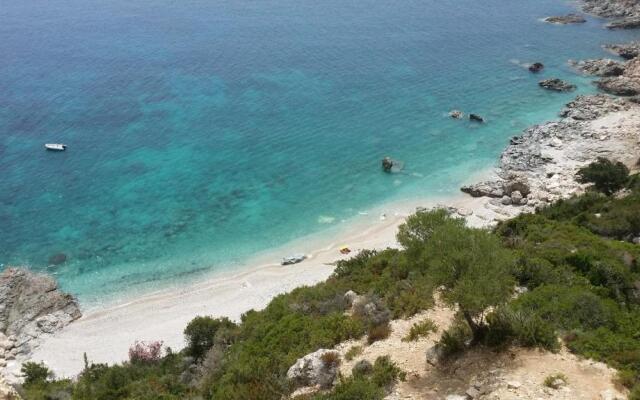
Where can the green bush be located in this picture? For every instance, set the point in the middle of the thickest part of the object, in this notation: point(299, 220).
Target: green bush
point(378, 332)
point(34, 373)
point(552, 381)
point(607, 177)
point(421, 329)
point(353, 352)
point(506, 327)
point(200, 334)
point(455, 339)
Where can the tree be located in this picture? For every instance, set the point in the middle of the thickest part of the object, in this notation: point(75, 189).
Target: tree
point(471, 264)
point(607, 177)
point(419, 227)
point(201, 332)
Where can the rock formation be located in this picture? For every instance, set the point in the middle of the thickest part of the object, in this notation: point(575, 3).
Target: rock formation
point(557, 85)
point(626, 84)
point(612, 8)
point(536, 67)
point(319, 368)
point(476, 118)
point(566, 19)
point(457, 114)
point(600, 67)
point(31, 305)
point(627, 51)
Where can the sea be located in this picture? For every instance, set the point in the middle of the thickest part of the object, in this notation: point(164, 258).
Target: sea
point(203, 132)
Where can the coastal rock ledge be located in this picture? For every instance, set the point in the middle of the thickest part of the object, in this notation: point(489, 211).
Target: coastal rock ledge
point(31, 305)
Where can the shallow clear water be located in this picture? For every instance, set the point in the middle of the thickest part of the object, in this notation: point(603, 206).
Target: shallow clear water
point(201, 132)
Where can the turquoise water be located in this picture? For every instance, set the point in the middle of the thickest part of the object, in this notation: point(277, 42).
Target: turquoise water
point(202, 132)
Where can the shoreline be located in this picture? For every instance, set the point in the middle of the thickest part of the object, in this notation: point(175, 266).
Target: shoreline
point(163, 314)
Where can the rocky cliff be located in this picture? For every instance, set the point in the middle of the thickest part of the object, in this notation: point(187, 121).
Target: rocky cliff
point(31, 305)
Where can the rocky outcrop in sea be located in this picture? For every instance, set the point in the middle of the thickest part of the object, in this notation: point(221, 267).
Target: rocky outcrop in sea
point(31, 305)
point(557, 85)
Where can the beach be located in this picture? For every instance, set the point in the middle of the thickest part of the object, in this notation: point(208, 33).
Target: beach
point(105, 334)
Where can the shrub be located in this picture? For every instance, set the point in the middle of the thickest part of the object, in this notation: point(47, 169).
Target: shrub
point(385, 372)
point(555, 381)
point(421, 329)
point(353, 352)
point(454, 340)
point(200, 334)
point(378, 332)
point(330, 359)
point(506, 326)
point(607, 177)
point(35, 373)
point(141, 352)
point(362, 368)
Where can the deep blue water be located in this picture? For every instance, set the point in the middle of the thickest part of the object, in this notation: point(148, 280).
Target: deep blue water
point(201, 132)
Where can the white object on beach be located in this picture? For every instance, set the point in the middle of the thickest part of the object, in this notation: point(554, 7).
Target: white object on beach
point(55, 146)
point(294, 259)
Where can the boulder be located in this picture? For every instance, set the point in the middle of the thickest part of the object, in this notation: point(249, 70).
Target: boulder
point(506, 200)
point(517, 184)
point(484, 189)
point(636, 240)
point(516, 197)
point(435, 354)
point(536, 67)
point(557, 85)
point(387, 164)
point(350, 297)
point(475, 118)
point(314, 370)
point(566, 19)
point(32, 305)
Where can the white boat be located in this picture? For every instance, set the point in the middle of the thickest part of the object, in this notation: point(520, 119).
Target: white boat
point(55, 146)
point(294, 259)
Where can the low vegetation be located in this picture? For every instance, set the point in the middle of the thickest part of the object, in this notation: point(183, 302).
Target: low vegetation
point(420, 330)
point(555, 381)
point(574, 264)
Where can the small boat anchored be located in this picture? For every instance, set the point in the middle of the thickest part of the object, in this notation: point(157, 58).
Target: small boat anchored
point(294, 259)
point(55, 146)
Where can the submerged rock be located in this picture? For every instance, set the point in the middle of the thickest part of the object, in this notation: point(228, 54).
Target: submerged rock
point(476, 118)
point(57, 259)
point(557, 85)
point(32, 305)
point(536, 67)
point(566, 19)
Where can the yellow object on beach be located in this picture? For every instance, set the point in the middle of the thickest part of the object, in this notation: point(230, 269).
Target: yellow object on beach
point(345, 249)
